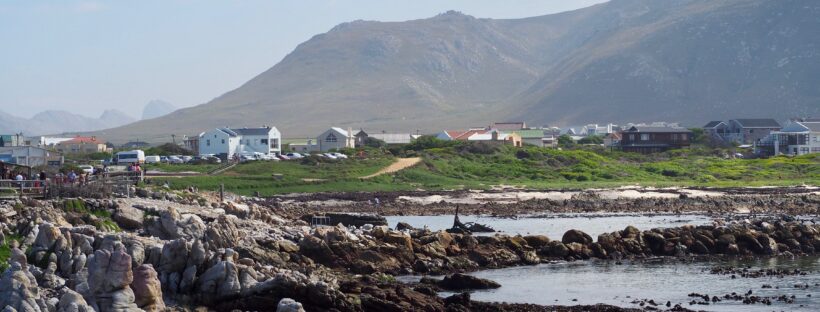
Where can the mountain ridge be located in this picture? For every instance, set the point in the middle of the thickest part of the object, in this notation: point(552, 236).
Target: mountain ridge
point(687, 61)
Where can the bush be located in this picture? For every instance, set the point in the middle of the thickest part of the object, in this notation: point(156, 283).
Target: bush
point(565, 141)
point(593, 139)
point(167, 149)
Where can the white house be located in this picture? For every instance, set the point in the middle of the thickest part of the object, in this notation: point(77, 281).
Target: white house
point(335, 138)
point(796, 138)
point(228, 142)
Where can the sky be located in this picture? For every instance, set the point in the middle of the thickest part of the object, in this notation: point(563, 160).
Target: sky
point(88, 56)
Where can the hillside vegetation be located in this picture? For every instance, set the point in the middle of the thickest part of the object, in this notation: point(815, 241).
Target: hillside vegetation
point(482, 166)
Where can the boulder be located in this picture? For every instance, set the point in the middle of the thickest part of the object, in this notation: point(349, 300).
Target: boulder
point(128, 217)
point(289, 305)
point(460, 281)
point(576, 236)
point(147, 289)
point(399, 239)
point(537, 241)
point(555, 249)
point(72, 301)
point(18, 290)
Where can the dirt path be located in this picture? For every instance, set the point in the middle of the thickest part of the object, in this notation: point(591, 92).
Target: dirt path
point(400, 164)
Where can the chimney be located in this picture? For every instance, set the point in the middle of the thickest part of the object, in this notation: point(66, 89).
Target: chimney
point(494, 135)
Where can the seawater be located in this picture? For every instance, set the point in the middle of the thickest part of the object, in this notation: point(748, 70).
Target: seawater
point(591, 282)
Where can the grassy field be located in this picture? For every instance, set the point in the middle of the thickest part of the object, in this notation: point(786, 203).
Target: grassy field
point(481, 167)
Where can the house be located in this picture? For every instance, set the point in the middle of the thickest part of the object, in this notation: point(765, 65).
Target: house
point(227, 142)
point(509, 126)
point(8, 140)
point(612, 139)
point(30, 156)
point(335, 138)
point(595, 129)
point(495, 136)
point(191, 143)
point(459, 135)
point(796, 138)
point(537, 137)
point(648, 139)
point(81, 144)
point(742, 131)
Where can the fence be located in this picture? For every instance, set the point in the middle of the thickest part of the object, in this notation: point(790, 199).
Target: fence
point(95, 187)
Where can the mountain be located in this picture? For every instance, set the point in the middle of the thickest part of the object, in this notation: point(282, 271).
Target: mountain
point(157, 108)
point(686, 61)
point(56, 121)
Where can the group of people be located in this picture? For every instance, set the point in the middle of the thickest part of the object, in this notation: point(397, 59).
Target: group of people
point(135, 167)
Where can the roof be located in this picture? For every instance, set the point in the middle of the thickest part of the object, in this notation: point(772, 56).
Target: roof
point(393, 138)
point(712, 124)
point(758, 123)
point(453, 134)
point(228, 131)
point(340, 130)
point(614, 135)
point(82, 140)
point(648, 129)
point(252, 131)
point(814, 126)
point(467, 134)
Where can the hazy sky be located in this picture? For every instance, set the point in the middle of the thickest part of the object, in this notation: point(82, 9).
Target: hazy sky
point(87, 56)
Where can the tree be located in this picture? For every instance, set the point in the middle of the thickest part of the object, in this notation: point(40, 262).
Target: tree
point(592, 139)
point(565, 141)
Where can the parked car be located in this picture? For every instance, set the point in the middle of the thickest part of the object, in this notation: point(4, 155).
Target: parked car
point(175, 160)
point(283, 157)
point(186, 158)
point(152, 159)
point(294, 155)
point(329, 155)
point(339, 155)
point(163, 159)
point(87, 169)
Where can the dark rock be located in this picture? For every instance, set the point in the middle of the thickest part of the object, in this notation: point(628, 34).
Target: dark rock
point(460, 281)
point(576, 236)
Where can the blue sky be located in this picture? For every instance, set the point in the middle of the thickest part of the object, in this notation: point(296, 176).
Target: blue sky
point(87, 56)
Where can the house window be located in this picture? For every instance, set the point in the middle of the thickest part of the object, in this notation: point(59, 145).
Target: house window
point(274, 143)
point(264, 141)
point(644, 136)
point(223, 141)
point(330, 138)
point(208, 142)
point(632, 137)
point(674, 136)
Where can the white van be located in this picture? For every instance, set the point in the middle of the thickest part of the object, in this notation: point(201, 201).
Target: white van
point(151, 159)
point(130, 157)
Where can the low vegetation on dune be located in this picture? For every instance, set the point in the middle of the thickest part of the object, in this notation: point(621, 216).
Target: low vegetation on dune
point(452, 165)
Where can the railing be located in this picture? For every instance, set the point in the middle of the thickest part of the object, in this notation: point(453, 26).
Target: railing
point(94, 186)
point(16, 189)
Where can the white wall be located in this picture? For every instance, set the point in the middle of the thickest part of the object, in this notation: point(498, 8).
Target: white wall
point(217, 142)
point(342, 141)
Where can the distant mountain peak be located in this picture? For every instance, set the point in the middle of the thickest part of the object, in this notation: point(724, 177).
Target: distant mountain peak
point(157, 108)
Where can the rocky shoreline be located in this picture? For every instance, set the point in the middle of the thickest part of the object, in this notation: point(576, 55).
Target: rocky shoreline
point(190, 253)
point(791, 201)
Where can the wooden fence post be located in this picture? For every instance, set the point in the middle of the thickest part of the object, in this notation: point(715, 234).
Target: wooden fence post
point(222, 192)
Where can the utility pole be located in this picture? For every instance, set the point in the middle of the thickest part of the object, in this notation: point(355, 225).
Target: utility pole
point(174, 138)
